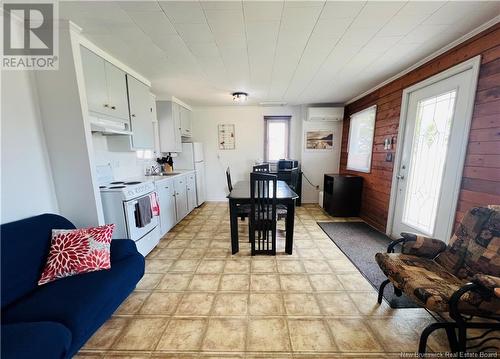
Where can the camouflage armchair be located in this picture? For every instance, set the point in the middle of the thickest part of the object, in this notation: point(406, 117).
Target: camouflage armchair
point(461, 278)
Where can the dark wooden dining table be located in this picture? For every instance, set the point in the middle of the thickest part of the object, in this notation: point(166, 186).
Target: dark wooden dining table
point(241, 195)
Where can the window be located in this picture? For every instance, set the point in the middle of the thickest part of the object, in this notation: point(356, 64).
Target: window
point(276, 137)
point(359, 148)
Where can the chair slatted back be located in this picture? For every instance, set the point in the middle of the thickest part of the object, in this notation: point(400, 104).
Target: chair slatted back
point(294, 178)
point(228, 178)
point(261, 168)
point(263, 213)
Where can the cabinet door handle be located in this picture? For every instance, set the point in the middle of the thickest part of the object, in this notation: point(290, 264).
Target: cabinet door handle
point(106, 105)
point(113, 107)
point(133, 115)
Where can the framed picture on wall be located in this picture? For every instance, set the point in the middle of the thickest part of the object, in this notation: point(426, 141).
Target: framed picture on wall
point(226, 137)
point(319, 140)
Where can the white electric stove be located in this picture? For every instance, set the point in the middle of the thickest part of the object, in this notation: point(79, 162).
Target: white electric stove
point(119, 199)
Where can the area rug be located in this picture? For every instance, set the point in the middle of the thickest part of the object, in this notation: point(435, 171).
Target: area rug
point(360, 242)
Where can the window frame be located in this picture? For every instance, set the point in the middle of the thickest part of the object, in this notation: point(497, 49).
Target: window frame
point(267, 120)
point(349, 139)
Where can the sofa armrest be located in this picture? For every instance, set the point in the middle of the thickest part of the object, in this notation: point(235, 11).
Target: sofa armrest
point(28, 340)
point(421, 246)
point(488, 282)
point(122, 248)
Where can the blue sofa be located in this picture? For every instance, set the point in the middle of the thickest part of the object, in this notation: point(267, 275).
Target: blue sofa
point(56, 319)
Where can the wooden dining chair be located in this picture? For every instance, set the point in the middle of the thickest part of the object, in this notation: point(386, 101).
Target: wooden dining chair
point(262, 224)
point(242, 210)
point(261, 168)
point(228, 178)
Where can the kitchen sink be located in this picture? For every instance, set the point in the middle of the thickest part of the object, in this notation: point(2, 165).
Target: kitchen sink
point(166, 174)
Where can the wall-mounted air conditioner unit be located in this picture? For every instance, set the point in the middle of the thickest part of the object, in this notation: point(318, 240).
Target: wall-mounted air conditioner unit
point(325, 114)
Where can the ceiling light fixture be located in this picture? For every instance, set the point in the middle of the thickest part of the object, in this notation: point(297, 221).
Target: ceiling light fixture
point(240, 96)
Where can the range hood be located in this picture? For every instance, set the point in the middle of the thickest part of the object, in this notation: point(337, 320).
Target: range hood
point(109, 127)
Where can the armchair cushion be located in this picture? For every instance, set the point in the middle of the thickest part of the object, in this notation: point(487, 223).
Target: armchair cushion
point(475, 246)
point(431, 285)
point(489, 282)
point(422, 246)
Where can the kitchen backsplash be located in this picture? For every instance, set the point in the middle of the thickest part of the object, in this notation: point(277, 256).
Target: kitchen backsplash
point(125, 164)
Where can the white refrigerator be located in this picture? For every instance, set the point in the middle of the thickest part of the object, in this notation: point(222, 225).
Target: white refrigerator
point(191, 158)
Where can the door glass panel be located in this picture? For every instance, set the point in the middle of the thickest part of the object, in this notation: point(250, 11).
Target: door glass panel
point(427, 161)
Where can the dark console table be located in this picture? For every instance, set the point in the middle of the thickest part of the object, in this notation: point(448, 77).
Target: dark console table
point(342, 195)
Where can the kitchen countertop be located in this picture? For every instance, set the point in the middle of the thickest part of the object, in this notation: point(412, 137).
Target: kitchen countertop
point(161, 178)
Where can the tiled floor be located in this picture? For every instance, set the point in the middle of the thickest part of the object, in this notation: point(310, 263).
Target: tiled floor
point(196, 300)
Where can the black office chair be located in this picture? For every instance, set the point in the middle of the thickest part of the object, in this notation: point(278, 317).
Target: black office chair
point(242, 210)
point(262, 225)
point(261, 168)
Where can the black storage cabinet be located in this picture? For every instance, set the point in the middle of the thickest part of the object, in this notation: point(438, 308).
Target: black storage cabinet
point(342, 195)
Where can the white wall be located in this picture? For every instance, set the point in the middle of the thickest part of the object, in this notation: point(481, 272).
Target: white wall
point(249, 135)
point(27, 188)
point(316, 163)
point(125, 165)
point(249, 127)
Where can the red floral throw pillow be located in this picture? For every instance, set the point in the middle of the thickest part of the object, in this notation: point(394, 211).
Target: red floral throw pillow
point(77, 251)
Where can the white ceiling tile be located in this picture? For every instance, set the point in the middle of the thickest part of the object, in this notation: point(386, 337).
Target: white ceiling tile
point(401, 25)
point(183, 12)
point(226, 21)
point(208, 49)
point(376, 13)
point(262, 10)
point(303, 4)
point(381, 44)
point(245, 47)
point(420, 7)
point(300, 17)
point(231, 41)
point(451, 12)
point(342, 9)
point(195, 33)
point(328, 28)
point(140, 6)
point(220, 5)
point(262, 31)
point(152, 22)
point(424, 33)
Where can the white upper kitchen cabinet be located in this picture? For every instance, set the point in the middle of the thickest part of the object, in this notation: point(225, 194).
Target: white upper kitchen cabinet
point(169, 126)
point(185, 115)
point(140, 114)
point(105, 86)
point(117, 91)
point(95, 81)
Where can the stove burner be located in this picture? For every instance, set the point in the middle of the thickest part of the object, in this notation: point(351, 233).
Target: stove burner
point(117, 182)
point(116, 187)
point(134, 182)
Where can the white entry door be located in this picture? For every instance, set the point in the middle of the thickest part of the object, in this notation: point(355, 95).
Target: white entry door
point(431, 156)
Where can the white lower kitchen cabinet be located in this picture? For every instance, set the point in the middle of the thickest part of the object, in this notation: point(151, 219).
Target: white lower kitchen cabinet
point(181, 199)
point(166, 197)
point(191, 191)
point(177, 197)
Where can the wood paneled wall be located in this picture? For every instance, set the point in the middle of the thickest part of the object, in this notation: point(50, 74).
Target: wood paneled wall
point(481, 176)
